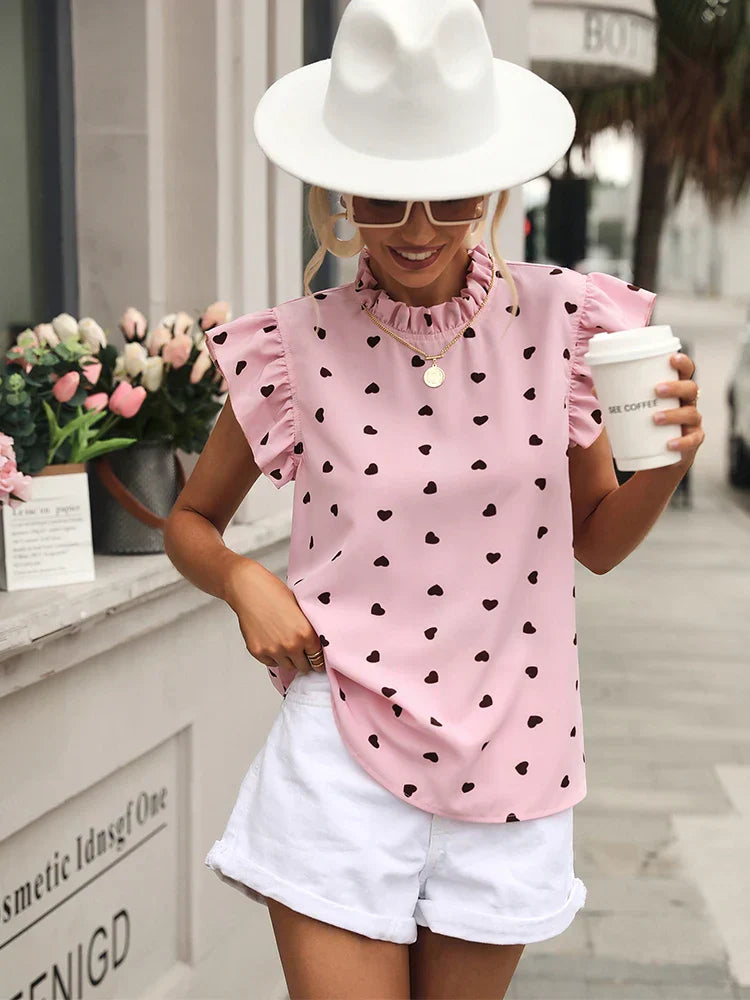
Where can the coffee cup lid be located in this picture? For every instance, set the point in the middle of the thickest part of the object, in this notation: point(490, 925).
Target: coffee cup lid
point(631, 345)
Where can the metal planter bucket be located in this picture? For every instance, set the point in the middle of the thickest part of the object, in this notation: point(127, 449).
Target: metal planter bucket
point(132, 491)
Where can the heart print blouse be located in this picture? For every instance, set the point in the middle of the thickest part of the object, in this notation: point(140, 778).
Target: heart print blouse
point(432, 538)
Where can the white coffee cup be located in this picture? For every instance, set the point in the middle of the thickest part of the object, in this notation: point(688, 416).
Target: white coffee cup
point(626, 366)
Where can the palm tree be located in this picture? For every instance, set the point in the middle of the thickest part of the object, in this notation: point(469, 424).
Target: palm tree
point(691, 116)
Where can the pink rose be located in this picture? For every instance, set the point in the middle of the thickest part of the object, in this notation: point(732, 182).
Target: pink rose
point(66, 386)
point(127, 399)
point(15, 487)
point(6, 446)
point(177, 351)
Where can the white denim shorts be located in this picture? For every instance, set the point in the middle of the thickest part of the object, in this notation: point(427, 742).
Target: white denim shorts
point(313, 830)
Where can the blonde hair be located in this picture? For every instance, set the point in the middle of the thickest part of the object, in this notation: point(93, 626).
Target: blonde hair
point(323, 223)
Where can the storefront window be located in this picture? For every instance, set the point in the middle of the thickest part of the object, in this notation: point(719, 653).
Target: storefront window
point(38, 261)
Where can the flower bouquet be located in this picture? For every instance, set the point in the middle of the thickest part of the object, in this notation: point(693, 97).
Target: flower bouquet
point(69, 398)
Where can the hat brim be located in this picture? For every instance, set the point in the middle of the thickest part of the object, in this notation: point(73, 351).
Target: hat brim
point(538, 126)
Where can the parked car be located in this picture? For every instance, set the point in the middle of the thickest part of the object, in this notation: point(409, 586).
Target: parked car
point(738, 398)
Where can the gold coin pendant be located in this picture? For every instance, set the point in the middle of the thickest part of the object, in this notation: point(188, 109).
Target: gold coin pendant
point(434, 376)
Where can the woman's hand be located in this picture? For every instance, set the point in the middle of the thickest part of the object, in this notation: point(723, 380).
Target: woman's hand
point(687, 415)
point(275, 630)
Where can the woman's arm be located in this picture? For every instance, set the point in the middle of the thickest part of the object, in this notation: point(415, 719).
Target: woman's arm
point(625, 516)
point(222, 477)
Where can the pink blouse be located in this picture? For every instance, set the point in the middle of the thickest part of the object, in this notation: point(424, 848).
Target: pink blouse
point(432, 538)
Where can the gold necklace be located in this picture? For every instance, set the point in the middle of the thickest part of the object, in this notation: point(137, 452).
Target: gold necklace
point(435, 375)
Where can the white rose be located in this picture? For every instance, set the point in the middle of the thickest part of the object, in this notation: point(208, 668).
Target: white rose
point(153, 373)
point(46, 334)
point(119, 372)
point(168, 321)
point(92, 334)
point(183, 323)
point(27, 339)
point(135, 358)
point(65, 326)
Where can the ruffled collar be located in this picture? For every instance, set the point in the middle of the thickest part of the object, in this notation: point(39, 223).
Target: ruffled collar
point(442, 318)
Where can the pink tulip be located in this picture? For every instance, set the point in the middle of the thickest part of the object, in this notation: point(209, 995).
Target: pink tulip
point(200, 366)
point(133, 324)
point(96, 401)
point(157, 338)
point(134, 401)
point(92, 370)
point(177, 351)
point(127, 399)
point(216, 314)
point(66, 386)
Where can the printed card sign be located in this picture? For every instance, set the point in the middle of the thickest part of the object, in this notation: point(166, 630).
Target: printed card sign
point(46, 541)
point(90, 900)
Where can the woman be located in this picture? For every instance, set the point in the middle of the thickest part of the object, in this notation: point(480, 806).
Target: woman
point(408, 821)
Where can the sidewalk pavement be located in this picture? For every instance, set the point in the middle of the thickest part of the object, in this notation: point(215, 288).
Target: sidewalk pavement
point(663, 835)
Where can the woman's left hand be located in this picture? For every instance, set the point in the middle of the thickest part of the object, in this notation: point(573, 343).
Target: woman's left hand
point(687, 415)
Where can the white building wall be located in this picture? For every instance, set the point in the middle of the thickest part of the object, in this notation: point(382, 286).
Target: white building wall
point(178, 206)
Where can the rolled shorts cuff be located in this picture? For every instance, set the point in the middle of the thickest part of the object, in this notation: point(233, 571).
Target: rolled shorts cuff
point(257, 883)
point(471, 925)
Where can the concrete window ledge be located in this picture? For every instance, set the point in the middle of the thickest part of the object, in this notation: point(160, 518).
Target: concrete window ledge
point(132, 595)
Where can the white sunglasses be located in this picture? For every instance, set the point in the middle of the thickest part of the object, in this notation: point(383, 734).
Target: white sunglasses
point(382, 213)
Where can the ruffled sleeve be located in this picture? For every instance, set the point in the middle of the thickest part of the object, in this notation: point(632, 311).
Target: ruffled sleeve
point(609, 304)
point(249, 353)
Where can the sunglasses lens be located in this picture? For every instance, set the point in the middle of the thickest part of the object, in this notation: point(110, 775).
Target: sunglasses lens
point(377, 211)
point(457, 209)
point(385, 212)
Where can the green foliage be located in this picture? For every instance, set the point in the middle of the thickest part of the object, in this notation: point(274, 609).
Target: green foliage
point(693, 111)
point(22, 417)
point(80, 432)
point(45, 431)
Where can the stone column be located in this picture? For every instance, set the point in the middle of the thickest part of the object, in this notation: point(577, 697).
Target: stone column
point(177, 204)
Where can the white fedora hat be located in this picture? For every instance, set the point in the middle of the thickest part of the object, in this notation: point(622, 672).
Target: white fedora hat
point(413, 104)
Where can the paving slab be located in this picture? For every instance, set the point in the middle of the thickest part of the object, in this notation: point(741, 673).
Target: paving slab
point(717, 851)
